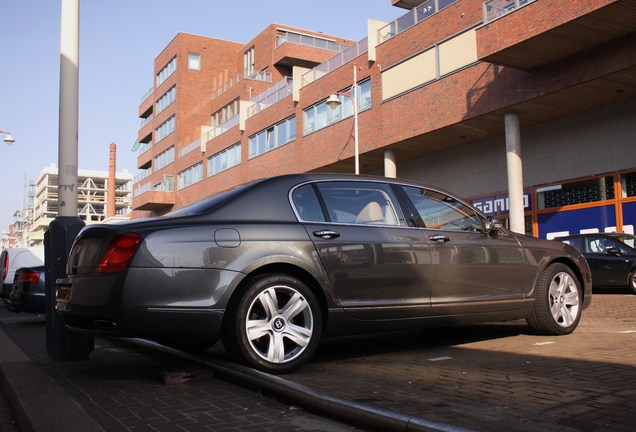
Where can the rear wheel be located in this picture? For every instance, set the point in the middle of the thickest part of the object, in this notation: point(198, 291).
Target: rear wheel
point(276, 324)
point(557, 308)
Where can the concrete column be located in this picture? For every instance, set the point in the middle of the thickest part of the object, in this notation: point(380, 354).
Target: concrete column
point(69, 102)
point(515, 174)
point(390, 166)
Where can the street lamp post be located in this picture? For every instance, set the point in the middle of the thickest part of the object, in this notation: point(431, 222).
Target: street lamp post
point(334, 102)
point(8, 138)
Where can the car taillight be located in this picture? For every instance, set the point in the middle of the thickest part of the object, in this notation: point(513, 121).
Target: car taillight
point(119, 253)
point(5, 265)
point(30, 276)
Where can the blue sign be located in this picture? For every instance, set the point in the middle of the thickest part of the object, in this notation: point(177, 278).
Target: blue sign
point(629, 217)
point(562, 223)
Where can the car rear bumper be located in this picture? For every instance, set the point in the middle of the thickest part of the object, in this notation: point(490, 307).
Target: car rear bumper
point(159, 304)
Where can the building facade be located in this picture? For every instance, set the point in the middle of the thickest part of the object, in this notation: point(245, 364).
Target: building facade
point(92, 196)
point(524, 107)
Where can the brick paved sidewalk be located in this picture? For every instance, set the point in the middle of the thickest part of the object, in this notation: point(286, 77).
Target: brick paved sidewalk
point(493, 377)
point(115, 389)
point(496, 377)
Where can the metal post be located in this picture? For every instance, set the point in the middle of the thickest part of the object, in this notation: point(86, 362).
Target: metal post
point(354, 100)
point(61, 343)
point(515, 174)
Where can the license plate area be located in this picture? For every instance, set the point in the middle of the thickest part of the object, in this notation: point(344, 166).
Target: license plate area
point(63, 293)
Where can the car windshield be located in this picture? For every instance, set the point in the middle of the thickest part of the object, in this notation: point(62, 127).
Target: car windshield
point(628, 239)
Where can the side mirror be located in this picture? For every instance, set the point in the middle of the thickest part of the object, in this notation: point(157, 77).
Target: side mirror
point(493, 224)
point(613, 251)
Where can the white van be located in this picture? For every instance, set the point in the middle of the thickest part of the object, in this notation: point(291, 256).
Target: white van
point(14, 258)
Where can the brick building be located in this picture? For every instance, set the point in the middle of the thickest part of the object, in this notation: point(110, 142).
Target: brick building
point(529, 99)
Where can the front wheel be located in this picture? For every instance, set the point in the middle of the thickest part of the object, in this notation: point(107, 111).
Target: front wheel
point(276, 324)
point(557, 308)
point(632, 281)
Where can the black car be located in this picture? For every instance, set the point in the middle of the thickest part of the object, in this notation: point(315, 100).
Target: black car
point(272, 266)
point(611, 256)
point(28, 290)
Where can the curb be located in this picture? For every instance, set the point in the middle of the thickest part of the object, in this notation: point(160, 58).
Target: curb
point(38, 402)
point(355, 413)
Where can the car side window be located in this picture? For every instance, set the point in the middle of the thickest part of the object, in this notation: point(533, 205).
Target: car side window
point(595, 245)
point(365, 203)
point(307, 204)
point(440, 211)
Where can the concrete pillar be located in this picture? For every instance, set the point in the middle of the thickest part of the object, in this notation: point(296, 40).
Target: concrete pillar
point(390, 166)
point(515, 174)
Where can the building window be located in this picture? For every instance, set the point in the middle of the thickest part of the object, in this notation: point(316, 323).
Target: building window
point(226, 113)
point(194, 61)
point(167, 98)
point(190, 176)
point(165, 129)
point(320, 115)
point(628, 182)
point(164, 158)
point(272, 137)
point(166, 71)
point(224, 160)
point(248, 62)
point(586, 191)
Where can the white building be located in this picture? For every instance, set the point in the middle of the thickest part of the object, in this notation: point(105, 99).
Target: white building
point(92, 197)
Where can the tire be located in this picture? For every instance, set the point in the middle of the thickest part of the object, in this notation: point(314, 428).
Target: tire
point(558, 303)
point(632, 281)
point(275, 325)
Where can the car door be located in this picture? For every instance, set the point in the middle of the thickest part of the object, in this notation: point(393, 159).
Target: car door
point(472, 271)
point(604, 256)
point(377, 266)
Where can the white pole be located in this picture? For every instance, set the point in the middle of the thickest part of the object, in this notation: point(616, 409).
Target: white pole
point(69, 102)
point(355, 118)
point(515, 174)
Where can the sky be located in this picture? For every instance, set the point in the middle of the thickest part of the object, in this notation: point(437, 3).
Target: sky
point(119, 41)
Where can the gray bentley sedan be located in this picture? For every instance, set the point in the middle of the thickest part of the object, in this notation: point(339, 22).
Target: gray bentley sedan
point(272, 266)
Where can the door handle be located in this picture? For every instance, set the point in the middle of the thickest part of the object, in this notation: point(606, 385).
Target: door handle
point(327, 234)
point(440, 238)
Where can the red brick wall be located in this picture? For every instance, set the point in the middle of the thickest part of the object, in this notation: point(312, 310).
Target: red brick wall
point(531, 20)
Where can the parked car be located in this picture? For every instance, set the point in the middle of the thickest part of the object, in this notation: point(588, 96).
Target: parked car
point(12, 259)
point(28, 291)
point(272, 266)
point(611, 257)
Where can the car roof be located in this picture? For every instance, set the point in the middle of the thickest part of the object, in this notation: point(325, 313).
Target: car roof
point(609, 234)
point(268, 199)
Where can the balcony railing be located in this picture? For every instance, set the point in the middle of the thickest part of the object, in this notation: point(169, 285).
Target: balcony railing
point(408, 20)
point(148, 94)
point(224, 127)
point(336, 61)
point(194, 145)
point(270, 96)
point(494, 9)
point(264, 76)
point(145, 121)
point(142, 175)
point(166, 185)
point(308, 40)
point(143, 148)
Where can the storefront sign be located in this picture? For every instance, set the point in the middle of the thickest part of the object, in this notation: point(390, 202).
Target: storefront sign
point(499, 205)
